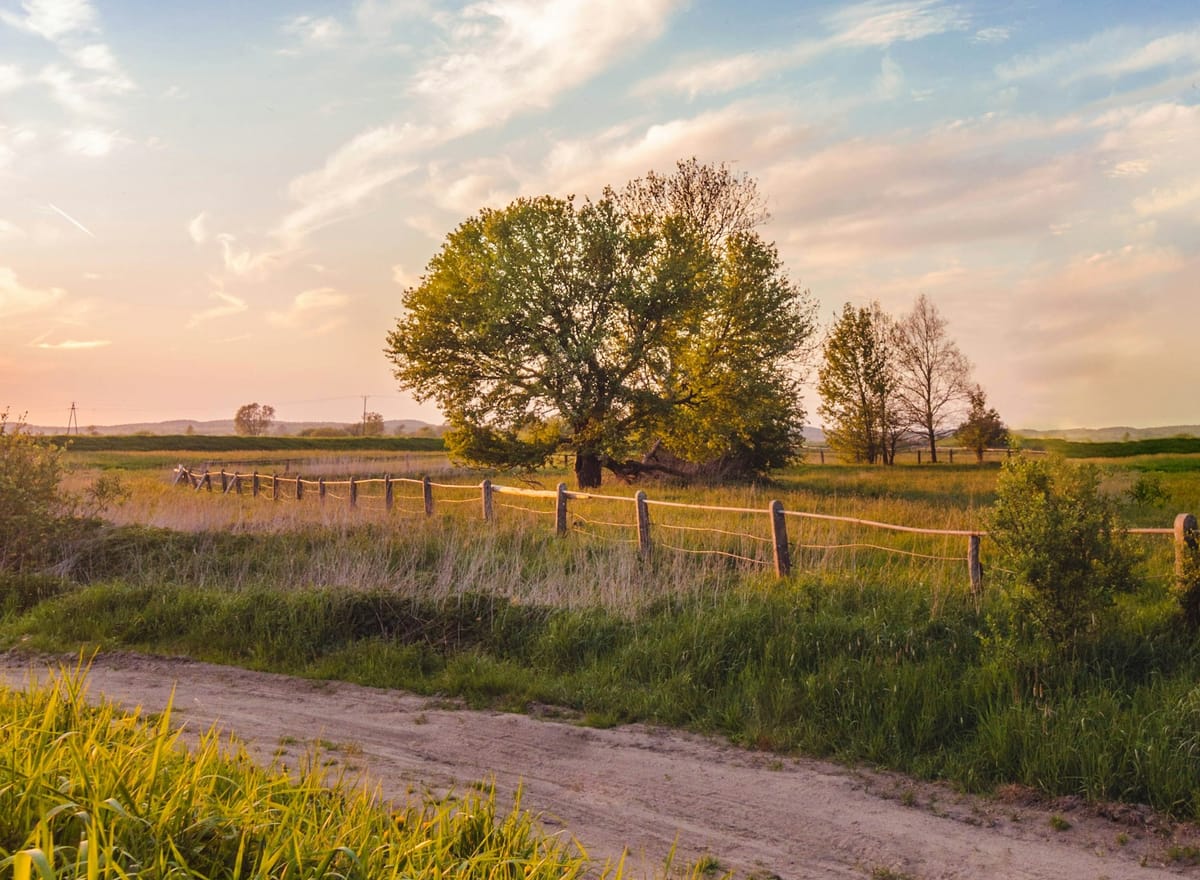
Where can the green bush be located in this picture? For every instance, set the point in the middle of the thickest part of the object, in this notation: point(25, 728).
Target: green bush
point(31, 506)
point(1060, 539)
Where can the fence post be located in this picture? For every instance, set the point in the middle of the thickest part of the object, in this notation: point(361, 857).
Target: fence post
point(427, 495)
point(974, 566)
point(918, 456)
point(299, 487)
point(254, 484)
point(224, 482)
point(387, 491)
point(237, 483)
point(1185, 544)
point(951, 455)
point(783, 559)
point(486, 492)
point(353, 493)
point(274, 485)
point(822, 451)
point(643, 524)
point(321, 489)
point(180, 470)
point(560, 510)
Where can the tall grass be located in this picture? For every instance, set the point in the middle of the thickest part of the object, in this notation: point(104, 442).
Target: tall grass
point(98, 793)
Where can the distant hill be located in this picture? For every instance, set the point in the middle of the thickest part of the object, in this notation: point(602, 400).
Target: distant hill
point(221, 427)
point(1109, 435)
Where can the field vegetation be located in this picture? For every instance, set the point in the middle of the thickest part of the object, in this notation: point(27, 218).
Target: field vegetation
point(100, 793)
point(866, 653)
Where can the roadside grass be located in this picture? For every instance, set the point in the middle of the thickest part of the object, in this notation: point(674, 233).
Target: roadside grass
point(95, 792)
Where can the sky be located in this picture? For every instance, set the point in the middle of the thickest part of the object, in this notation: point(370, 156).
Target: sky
point(208, 204)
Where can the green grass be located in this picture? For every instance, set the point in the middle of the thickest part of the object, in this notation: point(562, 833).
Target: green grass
point(1120, 449)
point(95, 792)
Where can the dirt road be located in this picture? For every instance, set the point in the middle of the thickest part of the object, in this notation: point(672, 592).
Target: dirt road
point(644, 788)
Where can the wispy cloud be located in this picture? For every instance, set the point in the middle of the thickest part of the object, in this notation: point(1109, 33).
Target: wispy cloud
point(229, 305)
point(93, 142)
point(17, 299)
point(531, 51)
point(52, 19)
point(313, 33)
point(313, 312)
point(198, 228)
point(992, 35)
point(72, 344)
point(863, 25)
point(1112, 54)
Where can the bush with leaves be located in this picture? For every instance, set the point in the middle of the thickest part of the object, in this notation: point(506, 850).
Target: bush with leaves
point(31, 506)
point(1061, 539)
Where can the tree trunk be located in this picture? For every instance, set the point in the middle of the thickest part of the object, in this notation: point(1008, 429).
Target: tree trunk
point(587, 469)
point(932, 444)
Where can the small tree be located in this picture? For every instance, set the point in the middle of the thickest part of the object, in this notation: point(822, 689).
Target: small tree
point(932, 374)
point(983, 428)
point(372, 425)
point(253, 419)
point(857, 386)
point(1060, 537)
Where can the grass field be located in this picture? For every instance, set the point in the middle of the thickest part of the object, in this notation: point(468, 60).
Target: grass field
point(863, 654)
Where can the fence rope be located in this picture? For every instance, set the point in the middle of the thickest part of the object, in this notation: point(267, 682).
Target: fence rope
point(579, 517)
point(714, 553)
point(745, 535)
point(882, 549)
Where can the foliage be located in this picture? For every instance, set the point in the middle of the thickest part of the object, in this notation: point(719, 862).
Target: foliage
point(1121, 449)
point(371, 425)
point(32, 508)
point(100, 793)
point(548, 324)
point(858, 386)
point(1060, 537)
point(983, 428)
point(931, 372)
point(253, 419)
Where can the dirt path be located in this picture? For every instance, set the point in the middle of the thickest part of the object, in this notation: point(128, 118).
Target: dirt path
point(646, 788)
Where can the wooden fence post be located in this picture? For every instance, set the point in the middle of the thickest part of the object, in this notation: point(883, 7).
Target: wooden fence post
point(918, 456)
point(180, 470)
point(974, 566)
point(275, 485)
point(254, 484)
point(822, 451)
point(486, 492)
point(560, 510)
point(237, 483)
point(643, 524)
point(224, 482)
point(388, 495)
point(353, 493)
point(299, 487)
point(321, 490)
point(427, 495)
point(783, 559)
point(1185, 544)
point(951, 455)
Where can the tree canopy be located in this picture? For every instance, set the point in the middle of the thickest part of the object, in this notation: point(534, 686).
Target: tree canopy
point(606, 328)
point(253, 419)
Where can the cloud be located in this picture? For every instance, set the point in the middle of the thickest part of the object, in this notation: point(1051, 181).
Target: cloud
point(1112, 54)
point(230, 305)
point(403, 277)
point(10, 231)
point(313, 311)
point(198, 228)
point(72, 344)
point(863, 25)
point(93, 142)
point(17, 299)
point(11, 78)
point(528, 52)
point(350, 176)
point(53, 19)
point(992, 35)
point(1169, 199)
point(314, 33)
point(890, 82)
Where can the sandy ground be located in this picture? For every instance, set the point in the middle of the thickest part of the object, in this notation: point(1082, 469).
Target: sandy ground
point(645, 789)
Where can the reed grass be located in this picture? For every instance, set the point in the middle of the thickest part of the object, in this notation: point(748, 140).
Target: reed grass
point(94, 792)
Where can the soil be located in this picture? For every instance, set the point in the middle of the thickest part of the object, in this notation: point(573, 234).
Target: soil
point(643, 790)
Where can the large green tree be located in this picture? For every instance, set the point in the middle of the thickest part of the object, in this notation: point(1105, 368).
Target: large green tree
point(549, 324)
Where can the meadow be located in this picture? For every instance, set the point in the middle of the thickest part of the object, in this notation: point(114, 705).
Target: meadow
point(874, 649)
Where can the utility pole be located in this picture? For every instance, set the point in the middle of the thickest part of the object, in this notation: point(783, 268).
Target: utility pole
point(363, 428)
point(72, 421)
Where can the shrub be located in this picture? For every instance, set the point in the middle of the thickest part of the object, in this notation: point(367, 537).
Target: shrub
point(1060, 538)
point(31, 507)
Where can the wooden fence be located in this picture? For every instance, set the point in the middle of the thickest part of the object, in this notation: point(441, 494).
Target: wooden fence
point(276, 487)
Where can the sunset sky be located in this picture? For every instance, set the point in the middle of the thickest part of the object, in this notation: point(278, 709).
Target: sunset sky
point(206, 204)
